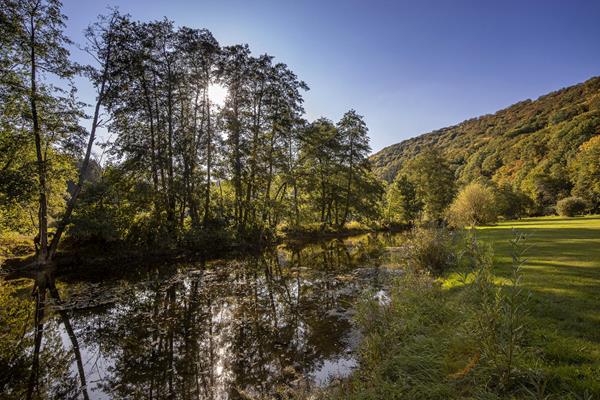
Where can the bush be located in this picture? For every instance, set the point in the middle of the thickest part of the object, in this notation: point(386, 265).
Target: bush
point(430, 249)
point(474, 205)
point(356, 226)
point(13, 244)
point(571, 206)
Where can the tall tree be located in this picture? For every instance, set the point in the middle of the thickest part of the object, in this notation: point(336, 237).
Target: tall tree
point(321, 176)
point(102, 38)
point(434, 181)
point(37, 50)
point(234, 72)
point(200, 57)
point(402, 202)
point(355, 141)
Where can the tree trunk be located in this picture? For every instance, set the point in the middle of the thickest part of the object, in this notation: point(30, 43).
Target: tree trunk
point(208, 158)
point(349, 185)
point(86, 160)
point(42, 251)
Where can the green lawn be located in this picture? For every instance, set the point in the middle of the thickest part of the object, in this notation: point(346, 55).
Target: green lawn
point(427, 342)
point(563, 275)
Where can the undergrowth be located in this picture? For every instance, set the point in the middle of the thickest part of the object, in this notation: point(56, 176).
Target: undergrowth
point(464, 339)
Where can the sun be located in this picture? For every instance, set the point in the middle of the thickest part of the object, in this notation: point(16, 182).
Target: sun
point(217, 93)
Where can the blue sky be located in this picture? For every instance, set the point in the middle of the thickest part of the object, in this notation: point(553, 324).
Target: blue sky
point(408, 67)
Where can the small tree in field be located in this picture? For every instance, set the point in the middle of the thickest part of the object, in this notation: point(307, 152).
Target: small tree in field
point(474, 205)
point(571, 206)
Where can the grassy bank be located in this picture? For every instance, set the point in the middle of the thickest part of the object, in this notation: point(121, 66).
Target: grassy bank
point(444, 337)
point(562, 274)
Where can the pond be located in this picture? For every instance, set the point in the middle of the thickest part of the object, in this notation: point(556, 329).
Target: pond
point(240, 328)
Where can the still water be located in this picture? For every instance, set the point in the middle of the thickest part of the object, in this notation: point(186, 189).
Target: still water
point(240, 328)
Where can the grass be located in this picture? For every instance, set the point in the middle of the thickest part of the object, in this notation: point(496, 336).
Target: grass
point(562, 273)
point(424, 344)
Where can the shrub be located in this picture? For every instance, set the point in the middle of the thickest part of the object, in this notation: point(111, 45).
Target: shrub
point(430, 249)
point(13, 244)
point(356, 226)
point(474, 205)
point(571, 206)
point(500, 317)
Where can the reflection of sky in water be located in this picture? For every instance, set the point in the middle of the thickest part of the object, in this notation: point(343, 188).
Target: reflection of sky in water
point(247, 325)
point(340, 366)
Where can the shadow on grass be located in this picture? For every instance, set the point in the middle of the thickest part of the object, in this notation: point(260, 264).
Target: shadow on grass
point(562, 273)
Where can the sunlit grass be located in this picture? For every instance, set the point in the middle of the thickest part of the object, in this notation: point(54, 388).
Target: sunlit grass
point(562, 273)
point(423, 345)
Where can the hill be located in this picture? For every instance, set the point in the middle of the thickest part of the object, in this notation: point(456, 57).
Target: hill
point(527, 145)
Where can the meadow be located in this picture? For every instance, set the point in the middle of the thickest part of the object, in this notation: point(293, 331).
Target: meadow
point(433, 341)
point(562, 273)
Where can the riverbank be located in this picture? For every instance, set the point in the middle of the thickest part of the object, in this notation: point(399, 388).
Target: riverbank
point(18, 250)
point(539, 338)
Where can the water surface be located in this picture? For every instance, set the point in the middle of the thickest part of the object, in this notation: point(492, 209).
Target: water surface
point(252, 326)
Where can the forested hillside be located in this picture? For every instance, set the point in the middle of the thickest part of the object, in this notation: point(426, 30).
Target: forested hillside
point(538, 147)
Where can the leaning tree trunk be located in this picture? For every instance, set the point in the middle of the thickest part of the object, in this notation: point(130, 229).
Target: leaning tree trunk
point(86, 160)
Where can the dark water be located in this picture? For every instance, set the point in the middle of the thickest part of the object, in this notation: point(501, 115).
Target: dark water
point(251, 327)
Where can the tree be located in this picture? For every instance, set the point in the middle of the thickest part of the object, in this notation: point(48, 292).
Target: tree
point(512, 203)
point(433, 180)
point(320, 175)
point(335, 172)
point(184, 166)
point(37, 43)
point(355, 141)
point(545, 189)
point(585, 172)
point(101, 37)
point(402, 204)
point(233, 72)
point(474, 205)
point(200, 57)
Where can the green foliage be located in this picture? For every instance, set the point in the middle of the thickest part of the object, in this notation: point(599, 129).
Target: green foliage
point(500, 320)
point(334, 173)
point(13, 244)
point(585, 172)
point(474, 205)
point(434, 182)
point(179, 165)
point(530, 146)
point(401, 203)
point(571, 206)
point(512, 204)
point(430, 249)
point(111, 208)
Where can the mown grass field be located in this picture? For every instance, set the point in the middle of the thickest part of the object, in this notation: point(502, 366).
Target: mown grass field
point(562, 273)
point(425, 344)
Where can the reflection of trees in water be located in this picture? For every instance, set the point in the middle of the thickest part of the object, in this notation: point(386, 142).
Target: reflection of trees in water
point(39, 364)
point(247, 325)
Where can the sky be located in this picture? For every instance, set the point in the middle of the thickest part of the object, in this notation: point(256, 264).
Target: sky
point(407, 66)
